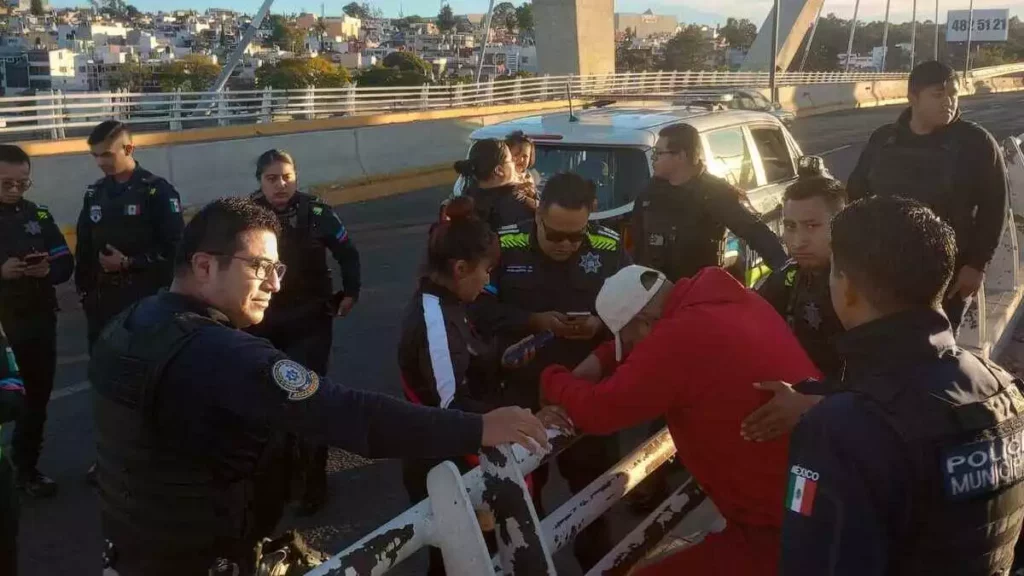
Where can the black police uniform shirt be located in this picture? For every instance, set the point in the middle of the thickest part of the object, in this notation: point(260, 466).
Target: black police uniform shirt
point(141, 218)
point(28, 306)
point(681, 229)
point(957, 170)
point(913, 466)
point(442, 360)
point(309, 226)
point(501, 206)
point(527, 281)
point(802, 298)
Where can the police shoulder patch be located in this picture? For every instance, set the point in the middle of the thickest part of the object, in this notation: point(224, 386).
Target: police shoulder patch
point(42, 213)
point(318, 210)
point(979, 468)
point(600, 240)
point(298, 381)
point(516, 240)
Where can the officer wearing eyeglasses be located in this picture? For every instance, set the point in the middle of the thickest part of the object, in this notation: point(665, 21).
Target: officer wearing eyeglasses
point(552, 268)
point(35, 257)
point(192, 412)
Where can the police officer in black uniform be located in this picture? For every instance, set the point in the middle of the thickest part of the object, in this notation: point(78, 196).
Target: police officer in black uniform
point(915, 465)
point(190, 409)
point(35, 257)
point(299, 321)
point(679, 221)
point(952, 165)
point(129, 226)
point(12, 397)
point(799, 291)
point(552, 268)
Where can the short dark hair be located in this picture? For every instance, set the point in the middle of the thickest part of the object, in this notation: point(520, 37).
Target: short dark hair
point(568, 190)
point(895, 251)
point(272, 156)
point(684, 138)
point(831, 191)
point(11, 154)
point(217, 229)
point(931, 73)
point(108, 130)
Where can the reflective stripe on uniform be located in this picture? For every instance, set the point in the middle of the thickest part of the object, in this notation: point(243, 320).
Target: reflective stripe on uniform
point(755, 274)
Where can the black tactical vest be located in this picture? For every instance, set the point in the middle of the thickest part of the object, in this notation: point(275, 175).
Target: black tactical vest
point(681, 236)
point(304, 252)
point(21, 233)
point(966, 447)
point(157, 496)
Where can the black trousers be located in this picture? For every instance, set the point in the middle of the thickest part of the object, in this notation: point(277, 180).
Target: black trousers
point(8, 519)
point(37, 359)
point(580, 465)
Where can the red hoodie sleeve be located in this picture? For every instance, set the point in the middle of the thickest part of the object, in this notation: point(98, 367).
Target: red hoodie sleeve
point(641, 389)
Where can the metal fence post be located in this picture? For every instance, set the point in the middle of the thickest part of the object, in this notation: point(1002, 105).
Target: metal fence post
point(425, 97)
point(121, 99)
point(309, 96)
point(175, 123)
point(490, 91)
point(455, 528)
point(266, 105)
point(350, 98)
point(222, 107)
point(459, 94)
point(545, 89)
point(517, 91)
point(58, 113)
point(520, 542)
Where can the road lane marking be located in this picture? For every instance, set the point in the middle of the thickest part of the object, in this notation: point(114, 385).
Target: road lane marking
point(69, 390)
point(831, 150)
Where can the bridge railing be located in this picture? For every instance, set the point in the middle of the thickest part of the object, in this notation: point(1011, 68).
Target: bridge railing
point(449, 517)
point(58, 115)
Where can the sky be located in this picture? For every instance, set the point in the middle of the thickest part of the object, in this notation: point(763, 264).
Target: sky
point(686, 10)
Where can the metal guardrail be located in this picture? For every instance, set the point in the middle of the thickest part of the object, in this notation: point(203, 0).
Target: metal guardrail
point(57, 114)
point(448, 520)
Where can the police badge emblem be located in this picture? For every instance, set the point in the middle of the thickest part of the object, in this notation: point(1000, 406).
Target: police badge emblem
point(33, 228)
point(295, 379)
point(812, 315)
point(590, 263)
point(95, 213)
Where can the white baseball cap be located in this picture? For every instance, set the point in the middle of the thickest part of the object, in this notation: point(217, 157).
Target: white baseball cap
point(622, 297)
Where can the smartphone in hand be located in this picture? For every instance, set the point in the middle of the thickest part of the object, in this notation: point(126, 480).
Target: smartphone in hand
point(578, 315)
point(33, 259)
point(515, 353)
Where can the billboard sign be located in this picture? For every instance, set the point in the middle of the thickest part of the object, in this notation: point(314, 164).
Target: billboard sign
point(989, 25)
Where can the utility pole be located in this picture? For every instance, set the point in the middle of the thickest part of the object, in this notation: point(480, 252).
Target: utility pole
point(775, 52)
point(913, 36)
point(810, 39)
point(483, 47)
point(853, 29)
point(970, 28)
point(885, 37)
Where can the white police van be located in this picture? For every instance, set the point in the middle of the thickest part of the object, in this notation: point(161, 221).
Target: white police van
point(611, 144)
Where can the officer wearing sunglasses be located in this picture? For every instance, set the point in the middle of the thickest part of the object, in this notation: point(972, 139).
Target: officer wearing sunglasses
point(552, 268)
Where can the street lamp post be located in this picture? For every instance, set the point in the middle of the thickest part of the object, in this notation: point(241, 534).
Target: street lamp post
point(853, 29)
point(970, 28)
point(913, 36)
point(885, 37)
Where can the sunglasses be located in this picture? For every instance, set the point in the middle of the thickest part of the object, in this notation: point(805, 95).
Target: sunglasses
point(11, 185)
point(556, 236)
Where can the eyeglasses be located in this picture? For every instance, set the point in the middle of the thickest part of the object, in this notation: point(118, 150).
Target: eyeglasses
point(556, 236)
point(261, 267)
point(656, 153)
point(11, 185)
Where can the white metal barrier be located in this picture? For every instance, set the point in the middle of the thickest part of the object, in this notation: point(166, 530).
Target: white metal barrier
point(56, 113)
point(447, 519)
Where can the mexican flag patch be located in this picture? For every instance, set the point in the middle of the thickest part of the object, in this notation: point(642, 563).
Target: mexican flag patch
point(803, 485)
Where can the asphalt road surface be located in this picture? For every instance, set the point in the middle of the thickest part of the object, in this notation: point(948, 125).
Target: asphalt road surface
point(60, 537)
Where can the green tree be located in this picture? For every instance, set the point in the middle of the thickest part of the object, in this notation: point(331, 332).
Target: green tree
point(739, 33)
point(130, 76)
point(294, 73)
point(407, 62)
point(284, 33)
point(687, 50)
point(379, 76)
point(446, 19)
point(629, 59)
point(504, 15)
point(524, 19)
point(132, 12)
point(356, 10)
point(193, 73)
point(36, 8)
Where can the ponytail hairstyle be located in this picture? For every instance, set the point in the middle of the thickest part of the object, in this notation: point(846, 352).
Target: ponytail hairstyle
point(273, 156)
point(484, 157)
point(460, 235)
point(517, 140)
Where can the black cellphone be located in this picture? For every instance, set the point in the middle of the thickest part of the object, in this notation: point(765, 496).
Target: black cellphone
point(33, 259)
point(575, 315)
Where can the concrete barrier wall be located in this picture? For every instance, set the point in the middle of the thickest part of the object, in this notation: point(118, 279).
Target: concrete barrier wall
point(388, 153)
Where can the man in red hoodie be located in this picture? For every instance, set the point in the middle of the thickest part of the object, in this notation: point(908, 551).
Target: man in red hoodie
point(694, 351)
